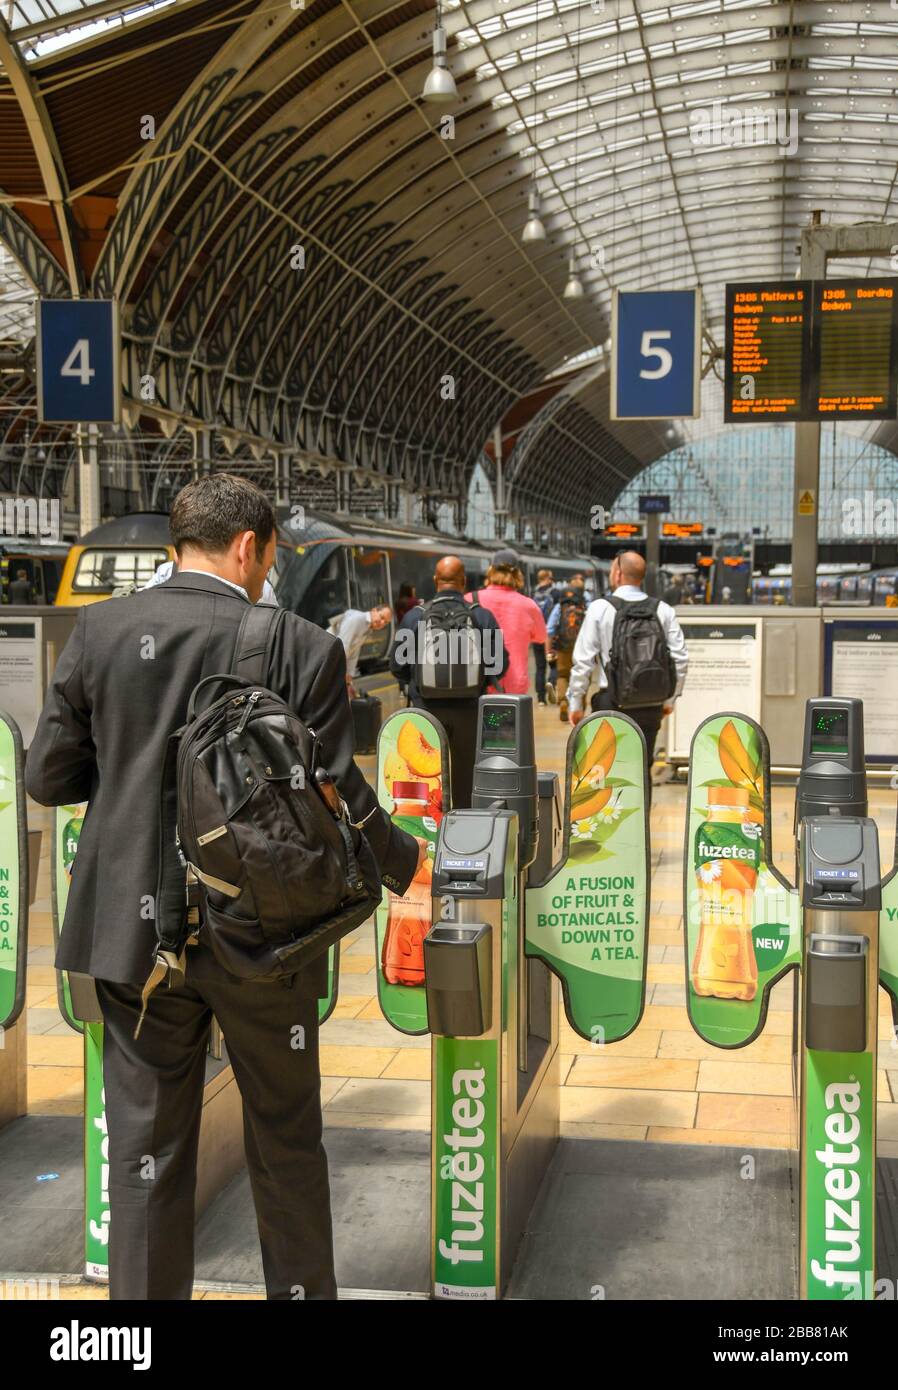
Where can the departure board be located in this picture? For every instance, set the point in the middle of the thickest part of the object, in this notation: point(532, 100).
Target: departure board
point(812, 350)
point(768, 334)
point(855, 362)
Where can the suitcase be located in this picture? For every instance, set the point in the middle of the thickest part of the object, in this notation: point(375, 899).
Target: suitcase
point(367, 717)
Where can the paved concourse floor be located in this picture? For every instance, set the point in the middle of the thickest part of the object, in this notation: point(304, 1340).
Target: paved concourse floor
point(662, 1084)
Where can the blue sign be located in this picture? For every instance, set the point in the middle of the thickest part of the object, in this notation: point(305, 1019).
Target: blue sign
point(656, 354)
point(653, 504)
point(78, 361)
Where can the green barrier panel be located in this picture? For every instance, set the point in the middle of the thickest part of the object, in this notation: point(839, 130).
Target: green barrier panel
point(588, 921)
point(412, 754)
point(743, 921)
point(328, 1002)
point(67, 823)
point(13, 874)
point(838, 1173)
point(888, 942)
point(96, 1158)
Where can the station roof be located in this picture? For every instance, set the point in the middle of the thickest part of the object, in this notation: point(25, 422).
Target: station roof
point(310, 258)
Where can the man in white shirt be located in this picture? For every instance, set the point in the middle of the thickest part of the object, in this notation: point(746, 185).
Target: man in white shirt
point(352, 627)
point(593, 649)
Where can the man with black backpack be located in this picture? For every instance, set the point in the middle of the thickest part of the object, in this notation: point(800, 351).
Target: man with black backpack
point(637, 646)
point(446, 652)
point(229, 839)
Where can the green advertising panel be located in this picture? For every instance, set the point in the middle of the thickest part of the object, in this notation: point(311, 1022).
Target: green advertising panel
point(588, 921)
point(465, 1179)
point(742, 920)
point(96, 1157)
point(67, 823)
point(13, 874)
point(888, 943)
point(328, 1002)
point(838, 1167)
point(413, 788)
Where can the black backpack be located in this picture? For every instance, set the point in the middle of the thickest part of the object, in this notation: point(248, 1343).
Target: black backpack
point(449, 661)
point(280, 877)
point(641, 670)
point(570, 621)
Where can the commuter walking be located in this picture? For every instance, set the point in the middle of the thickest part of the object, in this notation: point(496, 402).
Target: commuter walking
point(544, 599)
point(407, 599)
point(120, 689)
point(636, 645)
point(352, 628)
point(518, 616)
point(563, 628)
point(416, 660)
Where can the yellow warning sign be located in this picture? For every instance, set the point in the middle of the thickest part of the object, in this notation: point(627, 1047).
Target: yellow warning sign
point(807, 502)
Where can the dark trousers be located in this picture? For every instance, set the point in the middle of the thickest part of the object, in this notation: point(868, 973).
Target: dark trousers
point(459, 719)
point(154, 1096)
point(539, 656)
point(649, 720)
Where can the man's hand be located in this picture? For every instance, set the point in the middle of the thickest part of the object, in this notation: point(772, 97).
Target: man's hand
point(422, 852)
point(575, 715)
point(668, 709)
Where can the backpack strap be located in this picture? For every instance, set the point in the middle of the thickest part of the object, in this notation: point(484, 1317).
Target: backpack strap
point(255, 639)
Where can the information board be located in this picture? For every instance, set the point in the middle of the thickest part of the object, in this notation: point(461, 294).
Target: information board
point(724, 672)
point(21, 688)
point(861, 658)
point(811, 350)
point(767, 348)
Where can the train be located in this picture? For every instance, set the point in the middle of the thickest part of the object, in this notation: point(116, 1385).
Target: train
point(854, 586)
point(43, 566)
point(323, 565)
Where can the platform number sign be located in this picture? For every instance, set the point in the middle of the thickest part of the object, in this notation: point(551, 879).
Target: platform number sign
point(79, 359)
point(656, 354)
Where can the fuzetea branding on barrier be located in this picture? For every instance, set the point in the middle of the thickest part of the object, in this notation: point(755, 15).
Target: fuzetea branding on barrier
point(838, 1174)
point(465, 1168)
point(742, 920)
point(588, 922)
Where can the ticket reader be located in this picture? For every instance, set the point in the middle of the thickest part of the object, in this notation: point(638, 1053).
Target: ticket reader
point(493, 1015)
point(833, 777)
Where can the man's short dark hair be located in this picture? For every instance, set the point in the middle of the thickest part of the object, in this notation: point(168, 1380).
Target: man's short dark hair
point(208, 513)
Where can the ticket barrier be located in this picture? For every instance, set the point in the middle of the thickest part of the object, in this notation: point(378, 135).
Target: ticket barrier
point(747, 928)
point(498, 954)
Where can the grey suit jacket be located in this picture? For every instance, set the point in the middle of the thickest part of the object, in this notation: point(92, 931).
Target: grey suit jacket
point(120, 688)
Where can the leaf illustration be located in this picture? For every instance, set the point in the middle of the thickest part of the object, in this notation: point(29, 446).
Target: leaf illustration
point(600, 753)
point(736, 760)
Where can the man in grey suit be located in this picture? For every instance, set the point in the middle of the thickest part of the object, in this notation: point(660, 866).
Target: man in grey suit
point(120, 688)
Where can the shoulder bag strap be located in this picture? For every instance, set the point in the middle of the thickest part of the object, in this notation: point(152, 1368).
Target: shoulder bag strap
point(255, 637)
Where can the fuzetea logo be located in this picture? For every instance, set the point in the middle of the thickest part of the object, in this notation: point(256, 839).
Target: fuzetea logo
point(464, 1168)
point(842, 1184)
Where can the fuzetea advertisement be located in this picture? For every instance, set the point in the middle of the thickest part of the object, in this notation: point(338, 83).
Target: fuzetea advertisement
point(742, 920)
point(588, 922)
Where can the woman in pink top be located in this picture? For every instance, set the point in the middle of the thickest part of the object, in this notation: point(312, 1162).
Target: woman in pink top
point(517, 615)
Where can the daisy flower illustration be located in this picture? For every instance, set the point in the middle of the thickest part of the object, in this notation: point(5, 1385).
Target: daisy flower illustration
point(709, 873)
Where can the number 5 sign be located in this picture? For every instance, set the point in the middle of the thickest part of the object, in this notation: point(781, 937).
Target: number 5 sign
point(79, 361)
point(656, 354)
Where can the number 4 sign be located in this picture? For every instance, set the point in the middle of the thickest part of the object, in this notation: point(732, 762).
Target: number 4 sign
point(79, 361)
point(656, 354)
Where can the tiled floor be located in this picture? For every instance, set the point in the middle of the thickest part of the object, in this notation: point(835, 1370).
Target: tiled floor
point(662, 1083)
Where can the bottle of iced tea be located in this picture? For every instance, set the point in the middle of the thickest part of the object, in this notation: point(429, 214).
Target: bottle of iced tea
point(727, 858)
point(409, 913)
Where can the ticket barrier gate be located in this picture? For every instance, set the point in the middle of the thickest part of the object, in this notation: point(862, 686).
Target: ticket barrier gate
point(499, 951)
point(747, 928)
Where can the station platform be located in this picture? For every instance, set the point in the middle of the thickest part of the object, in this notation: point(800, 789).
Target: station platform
point(662, 1114)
